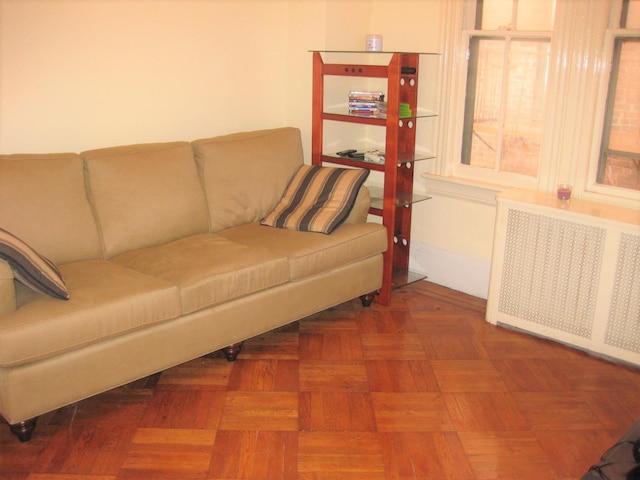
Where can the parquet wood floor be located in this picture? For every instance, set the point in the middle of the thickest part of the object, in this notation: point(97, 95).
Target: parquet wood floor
point(422, 389)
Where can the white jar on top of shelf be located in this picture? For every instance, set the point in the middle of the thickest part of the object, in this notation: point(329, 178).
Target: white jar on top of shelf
point(374, 43)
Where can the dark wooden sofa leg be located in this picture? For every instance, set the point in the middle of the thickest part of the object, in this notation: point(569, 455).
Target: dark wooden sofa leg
point(232, 351)
point(367, 299)
point(24, 430)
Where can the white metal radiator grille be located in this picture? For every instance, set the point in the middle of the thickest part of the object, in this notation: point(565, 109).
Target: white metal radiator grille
point(551, 271)
point(623, 326)
point(567, 271)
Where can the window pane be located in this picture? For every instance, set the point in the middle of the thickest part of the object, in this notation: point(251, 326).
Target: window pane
point(496, 14)
point(482, 120)
point(536, 14)
point(503, 116)
point(531, 14)
point(527, 80)
point(621, 155)
point(633, 14)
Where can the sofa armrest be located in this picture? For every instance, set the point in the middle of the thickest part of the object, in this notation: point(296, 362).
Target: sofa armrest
point(360, 208)
point(7, 289)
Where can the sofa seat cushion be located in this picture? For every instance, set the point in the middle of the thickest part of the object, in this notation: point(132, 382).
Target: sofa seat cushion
point(106, 300)
point(313, 253)
point(209, 269)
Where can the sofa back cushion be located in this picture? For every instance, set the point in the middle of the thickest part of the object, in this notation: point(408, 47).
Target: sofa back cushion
point(245, 174)
point(145, 195)
point(43, 201)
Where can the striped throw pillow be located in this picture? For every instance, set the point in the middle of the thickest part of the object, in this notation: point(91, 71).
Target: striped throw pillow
point(317, 199)
point(31, 268)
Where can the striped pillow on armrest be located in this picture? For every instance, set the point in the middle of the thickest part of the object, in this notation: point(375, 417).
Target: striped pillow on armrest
point(30, 268)
point(317, 199)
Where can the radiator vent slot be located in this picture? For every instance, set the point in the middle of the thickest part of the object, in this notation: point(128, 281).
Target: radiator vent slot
point(623, 326)
point(551, 272)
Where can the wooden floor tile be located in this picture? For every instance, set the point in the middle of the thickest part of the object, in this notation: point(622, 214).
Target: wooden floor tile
point(424, 455)
point(331, 346)
point(400, 346)
point(411, 412)
point(386, 321)
point(204, 373)
point(86, 451)
point(260, 411)
point(506, 456)
point(340, 455)
point(256, 455)
point(183, 409)
point(626, 404)
point(531, 375)
point(409, 376)
point(336, 412)
point(485, 411)
point(440, 323)
point(167, 452)
point(269, 375)
point(319, 324)
point(52, 476)
point(557, 411)
point(568, 451)
point(453, 347)
point(322, 376)
point(281, 345)
point(468, 376)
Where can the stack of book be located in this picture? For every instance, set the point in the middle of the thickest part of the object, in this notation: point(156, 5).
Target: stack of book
point(366, 104)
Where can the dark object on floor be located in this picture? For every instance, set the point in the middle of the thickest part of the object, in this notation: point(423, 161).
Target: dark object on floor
point(621, 461)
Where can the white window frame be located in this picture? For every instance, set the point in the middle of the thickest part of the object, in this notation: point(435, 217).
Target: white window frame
point(595, 190)
point(483, 173)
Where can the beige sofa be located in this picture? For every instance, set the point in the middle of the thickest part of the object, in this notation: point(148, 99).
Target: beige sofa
point(165, 260)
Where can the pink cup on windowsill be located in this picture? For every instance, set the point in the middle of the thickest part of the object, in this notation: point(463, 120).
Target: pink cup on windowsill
point(564, 192)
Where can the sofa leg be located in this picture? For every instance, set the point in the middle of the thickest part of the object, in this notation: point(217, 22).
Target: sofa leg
point(24, 430)
point(367, 299)
point(232, 351)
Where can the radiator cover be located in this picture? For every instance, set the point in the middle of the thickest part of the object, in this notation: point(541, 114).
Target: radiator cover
point(568, 271)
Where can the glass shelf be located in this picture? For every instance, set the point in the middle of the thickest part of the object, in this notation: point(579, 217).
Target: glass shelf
point(402, 277)
point(384, 52)
point(337, 113)
point(361, 163)
point(402, 199)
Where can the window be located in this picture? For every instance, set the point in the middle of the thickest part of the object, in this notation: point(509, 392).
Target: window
point(506, 87)
point(619, 161)
point(543, 92)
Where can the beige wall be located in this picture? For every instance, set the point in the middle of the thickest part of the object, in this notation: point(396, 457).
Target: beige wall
point(80, 74)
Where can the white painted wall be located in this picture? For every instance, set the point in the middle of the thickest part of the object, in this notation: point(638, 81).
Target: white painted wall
point(81, 74)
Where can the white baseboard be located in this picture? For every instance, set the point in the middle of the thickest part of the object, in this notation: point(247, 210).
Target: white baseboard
point(454, 270)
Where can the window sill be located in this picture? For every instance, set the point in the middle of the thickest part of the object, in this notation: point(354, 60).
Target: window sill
point(463, 189)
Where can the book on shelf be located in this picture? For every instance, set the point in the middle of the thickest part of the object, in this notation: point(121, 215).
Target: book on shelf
point(365, 103)
point(372, 104)
point(365, 96)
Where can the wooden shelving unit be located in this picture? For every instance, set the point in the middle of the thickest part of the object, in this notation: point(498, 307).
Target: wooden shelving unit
point(393, 202)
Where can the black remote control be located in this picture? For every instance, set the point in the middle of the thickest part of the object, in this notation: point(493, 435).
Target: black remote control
point(346, 153)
